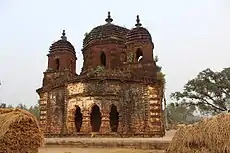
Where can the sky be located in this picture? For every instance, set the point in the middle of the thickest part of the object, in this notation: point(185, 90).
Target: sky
point(189, 36)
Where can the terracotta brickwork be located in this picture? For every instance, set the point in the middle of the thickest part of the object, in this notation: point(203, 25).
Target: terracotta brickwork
point(117, 91)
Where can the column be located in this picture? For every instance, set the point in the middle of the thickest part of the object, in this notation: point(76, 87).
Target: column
point(85, 127)
point(120, 129)
point(105, 125)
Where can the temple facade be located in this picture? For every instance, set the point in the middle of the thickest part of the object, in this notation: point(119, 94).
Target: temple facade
point(117, 92)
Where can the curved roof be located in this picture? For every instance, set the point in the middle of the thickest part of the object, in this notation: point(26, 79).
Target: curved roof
point(105, 32)
point(138, 33)
point(62, 45)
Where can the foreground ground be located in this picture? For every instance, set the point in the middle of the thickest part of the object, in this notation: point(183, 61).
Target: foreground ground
point(93, 150)
point(98, 141)
point(168, 137)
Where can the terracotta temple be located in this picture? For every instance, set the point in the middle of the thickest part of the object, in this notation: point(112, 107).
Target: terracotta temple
point(117, 93)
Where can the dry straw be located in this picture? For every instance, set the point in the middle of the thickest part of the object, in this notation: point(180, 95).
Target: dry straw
point(19, 132)
point(208, 136)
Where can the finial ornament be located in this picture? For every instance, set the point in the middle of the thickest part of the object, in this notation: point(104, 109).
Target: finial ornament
point(109, 19)
point(63, 37)
point(138, 24)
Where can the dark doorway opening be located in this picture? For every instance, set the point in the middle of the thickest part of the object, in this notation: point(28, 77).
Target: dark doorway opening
point(95, 118)
point(139, 55)
point(78, 118)
point(103, 59)
point(114, 118)
point(57, 62)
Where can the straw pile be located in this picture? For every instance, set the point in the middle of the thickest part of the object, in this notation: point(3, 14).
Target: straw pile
point(19, 132)
point(208, 136)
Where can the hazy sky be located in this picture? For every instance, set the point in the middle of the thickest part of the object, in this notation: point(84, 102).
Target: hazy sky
point(189, 36)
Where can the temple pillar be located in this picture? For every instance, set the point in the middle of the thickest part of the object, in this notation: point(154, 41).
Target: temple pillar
point(85, 127)
point(120, 128)
point(105, 125)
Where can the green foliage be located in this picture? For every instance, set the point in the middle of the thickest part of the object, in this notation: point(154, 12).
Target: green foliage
point(21, 106)
point(156, 59)
point(209, 91)
point(180, 113)
point(130, 57)
point(99, 69)
point(2, 105)
point(33, 109)
point(161, 78)
point(86, 34)
point(160, 74)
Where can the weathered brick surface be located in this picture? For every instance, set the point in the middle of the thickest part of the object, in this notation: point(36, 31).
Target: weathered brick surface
point(122, 82)
point(139, 107)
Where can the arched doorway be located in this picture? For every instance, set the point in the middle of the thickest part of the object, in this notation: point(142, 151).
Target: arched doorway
point(139, 55)
point(57, 62)
point(103, 59)
point(114, 118)
point(95, 118)
point(78, 118)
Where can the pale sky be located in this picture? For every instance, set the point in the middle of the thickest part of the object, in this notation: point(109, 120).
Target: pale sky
point(189, 36)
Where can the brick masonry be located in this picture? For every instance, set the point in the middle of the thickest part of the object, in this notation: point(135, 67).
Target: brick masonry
point(123, 83)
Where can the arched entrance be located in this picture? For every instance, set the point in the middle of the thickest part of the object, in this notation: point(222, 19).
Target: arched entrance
point(95, 118)
point(57, 62)
point(78, 118)
point(114, 118)
point(103, 59)
point(139, 55)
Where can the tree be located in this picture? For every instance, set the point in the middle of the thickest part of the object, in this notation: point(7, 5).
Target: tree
point(35, 110)
point(22, 106)
point(180, 113)
point(10, 106)
point(209, 91)
point(2, 105)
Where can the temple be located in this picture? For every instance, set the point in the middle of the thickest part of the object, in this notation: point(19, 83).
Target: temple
point(117, 93)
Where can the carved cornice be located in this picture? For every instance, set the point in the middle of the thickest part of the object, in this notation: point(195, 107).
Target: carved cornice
point(102, 42)
point(138, 44)
point(93, 94)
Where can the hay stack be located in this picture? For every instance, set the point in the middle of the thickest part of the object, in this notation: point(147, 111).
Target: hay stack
point(208, 136)
point(19, 132)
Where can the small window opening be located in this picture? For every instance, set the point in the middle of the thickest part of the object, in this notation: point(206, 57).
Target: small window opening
point(123, 57)
point(139, 55)
point(103, 59)
point(57, 64)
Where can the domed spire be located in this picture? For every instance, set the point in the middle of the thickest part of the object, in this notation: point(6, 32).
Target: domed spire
point(63, 37)
point(138, 24)
point(109, 19)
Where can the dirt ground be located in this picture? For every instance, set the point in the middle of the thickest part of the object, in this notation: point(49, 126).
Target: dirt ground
point(62, 149)
point(168, 137)
point(94, 150)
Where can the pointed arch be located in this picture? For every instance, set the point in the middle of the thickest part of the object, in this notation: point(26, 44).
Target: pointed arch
point(78, 118)
point(95, 118)
point(57, 63)
point(103, 58)
point(114, 118)
point(139, 55)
